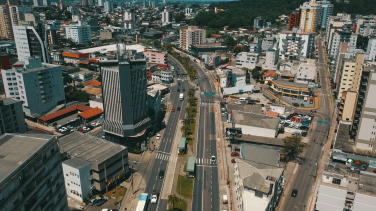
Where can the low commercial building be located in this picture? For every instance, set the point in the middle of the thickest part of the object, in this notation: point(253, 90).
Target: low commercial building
point(163, 76)
point(256, 124)
point(51, 118)
point(96, 103)
point(306, 72)
point(211, 60)
point(31, 173)
point(84, 75)
point(259, 186)
point(234, 80)
point(261, 154)
point(198, 49)
point(74, 57)
point(109, 160)
point(247, 60)
point(106, 34)
point(78, 178)
point(286, 88)
point(155, 56)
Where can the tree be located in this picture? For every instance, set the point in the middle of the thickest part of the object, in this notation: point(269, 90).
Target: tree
point(191, 93)
point(185, 129)
point(230, 43)
point(362, 42)
point(179, 17)
point(67, 80)
point(107, 20)
point(245, 48)
point(294, 145)
point(157, 43)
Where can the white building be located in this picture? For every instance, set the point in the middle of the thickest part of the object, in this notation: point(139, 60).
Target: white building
point(296, 45)
point(271, 59)
point(78, 178)
point(163, 76)
point(341, 36)
point(108, 6)
point(371, 49)
point(256, 124)
point(38, 85)
point(129, 20)
point(79, 33)
point(247, 60)
point(306, 72)
point(29, 43)
point(192, 36)
point(233, 81)
point(166, 17)
point(42, 3)
point(101, 3)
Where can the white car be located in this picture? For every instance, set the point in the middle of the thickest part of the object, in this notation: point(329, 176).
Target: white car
point(288, 121)
point(93, 124)
point(291, 125)
point(104, 137)
point(158, 136)
point(212, 159)
point(297, 126)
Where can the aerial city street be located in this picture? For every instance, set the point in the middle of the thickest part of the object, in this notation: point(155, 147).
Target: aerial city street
point(188, 105)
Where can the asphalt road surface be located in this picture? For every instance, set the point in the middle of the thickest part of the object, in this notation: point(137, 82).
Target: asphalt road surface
point(152, 178)
point(306, 173)
point(206, 186)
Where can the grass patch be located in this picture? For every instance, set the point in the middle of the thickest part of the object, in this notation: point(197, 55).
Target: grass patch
point(186, 185)
point(116, 192)
point(334, 98)
point(185, 167)
point(190, 142)
point(181, 156)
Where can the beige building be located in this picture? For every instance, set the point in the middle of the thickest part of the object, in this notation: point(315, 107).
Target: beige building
point(192, 36)
point(347, 106)
point(351, 74)
point(6, 31)
point(308, 19)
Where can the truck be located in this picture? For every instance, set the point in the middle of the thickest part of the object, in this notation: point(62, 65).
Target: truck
point(154, 197)
point(181, 96)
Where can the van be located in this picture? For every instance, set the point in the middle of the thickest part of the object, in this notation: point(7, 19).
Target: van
point(224, 199)
point(242, 99)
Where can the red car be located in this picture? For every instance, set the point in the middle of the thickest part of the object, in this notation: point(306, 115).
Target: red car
point(234, 154)
point(233, 161)
point(173, 110)
point(293, 118)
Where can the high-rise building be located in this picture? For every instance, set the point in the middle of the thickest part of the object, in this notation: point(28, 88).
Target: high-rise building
point(22, 10)
point(335, 23)
point(101, 3)
point(6, 30)
point(42, 3)
point(294, 45)
point(79, 33)
point(294, 19)
point(326, 10)
point(309, 17)
point(29, 43)
point(344, 36)
point(129, 20)
point(39, 85)
point(192, 36)
point(108, 6)
point(259, 23)
point(271, 59)
point(32, 176)
point(125, 98)
point(73, 10)
point(351, 74)
point(166, 17)
point(371, 50)
point(11, 116)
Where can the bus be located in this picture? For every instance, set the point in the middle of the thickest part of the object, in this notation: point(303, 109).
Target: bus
point(142, 204)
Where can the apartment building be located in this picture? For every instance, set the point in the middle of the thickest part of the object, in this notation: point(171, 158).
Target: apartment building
point(309, 16)
point(335, 23)
point(129, 20)
point(166, 17)
point(364, 126)
point(108, 6)
point(247, 60)
point(31, 173)
point(192, 36)
point(125, 98)
point(368, 29)
point(271, 59)
point(351, 72)
point(12, 118)
point(294, 45)
point(294, 19)
point(306, 71)
point(6, 29)
point(344, 52)
point(109, 163)
point(78, 33)
point(155, 56)
point(38, 85)
point(42, 3)
point(29, 44)
point(341, 36)
point(326, 10)
point(259, 23)
point(78, 177)
point(371, 50)
point(347, 106)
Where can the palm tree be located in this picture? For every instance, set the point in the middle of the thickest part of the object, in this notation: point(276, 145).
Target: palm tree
point(172, 199)
point(185, 129)
point(191, 93)
point(186, 121)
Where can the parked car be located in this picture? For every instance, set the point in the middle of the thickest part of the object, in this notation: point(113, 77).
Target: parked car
point(235, 154)
point(100, 202)
point(303, 127)
point(296, 104)
point(233, 160)
point(158, 136)
point(293, 118)
point(296, 133)
point(363, 167)
point(104, 137)
point(302, 105)
point(92, 202)
point(304, 133)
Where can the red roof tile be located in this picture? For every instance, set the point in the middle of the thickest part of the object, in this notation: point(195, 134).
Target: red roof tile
point(90, 113)
point(272, 114)
point(65, 111)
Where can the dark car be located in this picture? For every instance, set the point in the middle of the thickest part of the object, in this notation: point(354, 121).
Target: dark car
point(251, 102)
point(178, 84)
point(303, 127)
point(319, 86)
point(161, 174)
point(363, 167)
point(178, 90)
point(178, 108)
point(301, 105)
point(101, 201)
point(296, 104)
point(286, 124)
point(294, 193)
point(304, 133)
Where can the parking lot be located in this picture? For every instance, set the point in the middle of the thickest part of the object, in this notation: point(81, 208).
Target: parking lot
point(296, 124)
point(73, 123)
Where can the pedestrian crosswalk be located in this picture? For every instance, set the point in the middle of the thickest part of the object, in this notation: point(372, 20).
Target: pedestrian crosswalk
point(204, 103)
point(202, 161)
point(167, 157)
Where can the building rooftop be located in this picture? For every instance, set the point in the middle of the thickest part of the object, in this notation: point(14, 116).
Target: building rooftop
point(261, 154)
point(9, 101)
point(89, 148)
point(153, 92)
point(93, 90)
point(76, 163)
point(17, 150)
point(255, 120)
point(105, 48)
point(291, 84)
point(245, 108)
point(343, 136)
point(330, 198)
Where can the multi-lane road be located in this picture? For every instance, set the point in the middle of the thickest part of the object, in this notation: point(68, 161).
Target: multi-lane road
point(206, 186)
point(163, 156)
point(306, 174)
